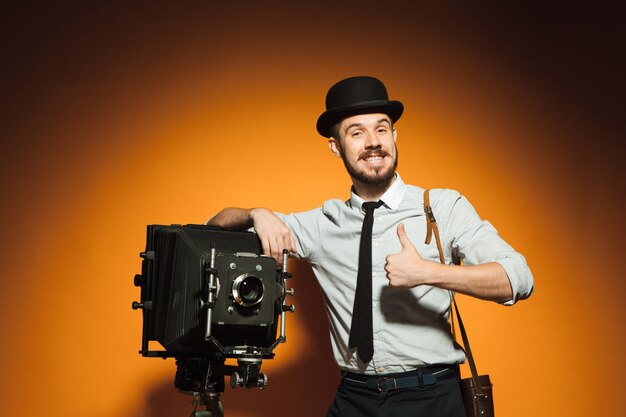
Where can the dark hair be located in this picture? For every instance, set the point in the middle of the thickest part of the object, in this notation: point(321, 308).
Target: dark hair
point(334, 130)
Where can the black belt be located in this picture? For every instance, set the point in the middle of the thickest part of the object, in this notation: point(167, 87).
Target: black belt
point(383, 383)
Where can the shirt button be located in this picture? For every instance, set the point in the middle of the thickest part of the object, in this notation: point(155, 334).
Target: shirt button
point(381, 369)
point(375, 337)
point(373, 305)
point(373, 274)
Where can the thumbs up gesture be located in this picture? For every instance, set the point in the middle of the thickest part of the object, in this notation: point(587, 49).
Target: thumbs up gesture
point(406, 268)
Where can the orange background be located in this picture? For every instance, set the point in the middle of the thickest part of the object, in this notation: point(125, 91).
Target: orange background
point(117, 116)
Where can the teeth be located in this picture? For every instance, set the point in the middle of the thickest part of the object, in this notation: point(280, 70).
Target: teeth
point(373, 158)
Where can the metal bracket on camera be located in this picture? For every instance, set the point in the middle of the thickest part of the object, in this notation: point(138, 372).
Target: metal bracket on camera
point(284, 307)
point(246, 255)
point(213, 290)
point(248, 373)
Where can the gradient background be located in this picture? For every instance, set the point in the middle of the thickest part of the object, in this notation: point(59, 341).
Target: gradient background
point(116, 116)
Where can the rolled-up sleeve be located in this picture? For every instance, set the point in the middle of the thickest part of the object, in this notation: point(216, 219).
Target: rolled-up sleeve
point(480, 243)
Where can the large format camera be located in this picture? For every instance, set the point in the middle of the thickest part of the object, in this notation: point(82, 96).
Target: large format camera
point(208, 295)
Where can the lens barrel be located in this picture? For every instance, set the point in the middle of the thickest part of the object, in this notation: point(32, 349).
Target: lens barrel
point(248, 290)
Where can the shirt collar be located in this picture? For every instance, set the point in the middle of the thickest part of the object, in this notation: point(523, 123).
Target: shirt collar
point(392, 197)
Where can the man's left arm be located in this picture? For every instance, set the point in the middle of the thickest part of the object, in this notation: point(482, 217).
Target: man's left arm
point(493, 270)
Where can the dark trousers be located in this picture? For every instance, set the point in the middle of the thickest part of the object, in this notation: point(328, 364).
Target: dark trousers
point(442, 399)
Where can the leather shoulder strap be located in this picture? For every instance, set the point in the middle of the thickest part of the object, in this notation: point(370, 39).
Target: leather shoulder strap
point(431, 227)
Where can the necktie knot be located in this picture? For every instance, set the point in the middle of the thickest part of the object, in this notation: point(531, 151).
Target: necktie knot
point(370, 206)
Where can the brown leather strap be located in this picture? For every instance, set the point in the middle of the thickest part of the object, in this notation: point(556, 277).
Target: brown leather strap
point(431, 226)
point(429, 216)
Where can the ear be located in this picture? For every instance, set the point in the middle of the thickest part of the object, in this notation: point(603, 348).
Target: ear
point(334, 146)
point(395, 134)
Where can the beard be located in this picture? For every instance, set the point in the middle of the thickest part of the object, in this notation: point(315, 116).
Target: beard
point(378, 177)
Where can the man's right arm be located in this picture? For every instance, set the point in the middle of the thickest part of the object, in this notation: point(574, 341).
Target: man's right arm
point(273, 232)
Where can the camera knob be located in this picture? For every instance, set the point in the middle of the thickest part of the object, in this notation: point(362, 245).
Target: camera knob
point(138, 280)
point(149, 254)
point(236, 380)
point(144, 306)
point(290, 291)
point(262, 383)
point(290, 308)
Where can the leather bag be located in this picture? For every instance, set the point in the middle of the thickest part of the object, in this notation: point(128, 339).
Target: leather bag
point(477, 391)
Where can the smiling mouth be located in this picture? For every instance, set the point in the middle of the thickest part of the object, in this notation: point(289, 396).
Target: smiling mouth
point(373, 157)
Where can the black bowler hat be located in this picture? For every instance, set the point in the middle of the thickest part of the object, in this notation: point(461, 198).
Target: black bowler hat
point(356, 95)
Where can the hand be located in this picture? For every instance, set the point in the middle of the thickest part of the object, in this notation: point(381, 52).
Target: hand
point(406, 268)
point(273, 233)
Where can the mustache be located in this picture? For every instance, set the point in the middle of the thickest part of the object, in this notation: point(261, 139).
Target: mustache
point(373, 152)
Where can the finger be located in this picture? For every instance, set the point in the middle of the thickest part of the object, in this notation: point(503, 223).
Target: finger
point(293, 243)
point(404, 239)
point(265, 244)
point(288, 243)
point(274, 249)
point(388, 267)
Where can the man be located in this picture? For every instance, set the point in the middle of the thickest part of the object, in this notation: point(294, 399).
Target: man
point(387, 296)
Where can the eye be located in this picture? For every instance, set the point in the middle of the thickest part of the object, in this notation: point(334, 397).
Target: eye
point(382, 130)
point(356, 133)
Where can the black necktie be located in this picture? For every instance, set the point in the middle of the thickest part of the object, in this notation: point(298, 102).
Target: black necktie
point(361, 332)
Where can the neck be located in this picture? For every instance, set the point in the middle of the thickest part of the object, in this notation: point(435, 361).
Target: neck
point(371, 192)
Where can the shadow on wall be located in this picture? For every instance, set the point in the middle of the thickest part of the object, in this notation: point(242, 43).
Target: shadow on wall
point(305, 389)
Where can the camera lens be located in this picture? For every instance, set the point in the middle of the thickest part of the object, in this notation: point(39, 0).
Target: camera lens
point(248, 290)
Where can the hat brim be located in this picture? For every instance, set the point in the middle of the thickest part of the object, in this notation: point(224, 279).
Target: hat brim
point(329, 118)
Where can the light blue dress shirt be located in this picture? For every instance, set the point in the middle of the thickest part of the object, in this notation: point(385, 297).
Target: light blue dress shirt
point(411, 327)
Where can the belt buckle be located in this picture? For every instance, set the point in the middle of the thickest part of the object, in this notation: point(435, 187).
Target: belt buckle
point(384, 387)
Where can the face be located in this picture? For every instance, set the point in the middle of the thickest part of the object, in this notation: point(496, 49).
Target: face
point(367, 145)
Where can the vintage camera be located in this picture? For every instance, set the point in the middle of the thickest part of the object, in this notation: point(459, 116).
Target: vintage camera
point(208, 295)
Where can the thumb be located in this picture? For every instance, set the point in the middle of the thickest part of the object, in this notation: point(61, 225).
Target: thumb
point(404, 239)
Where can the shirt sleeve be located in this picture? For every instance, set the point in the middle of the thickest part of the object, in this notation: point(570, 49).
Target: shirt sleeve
point(305, 227)
point(480, 243)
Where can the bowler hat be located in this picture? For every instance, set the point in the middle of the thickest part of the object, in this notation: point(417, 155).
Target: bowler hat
point(356, 95)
